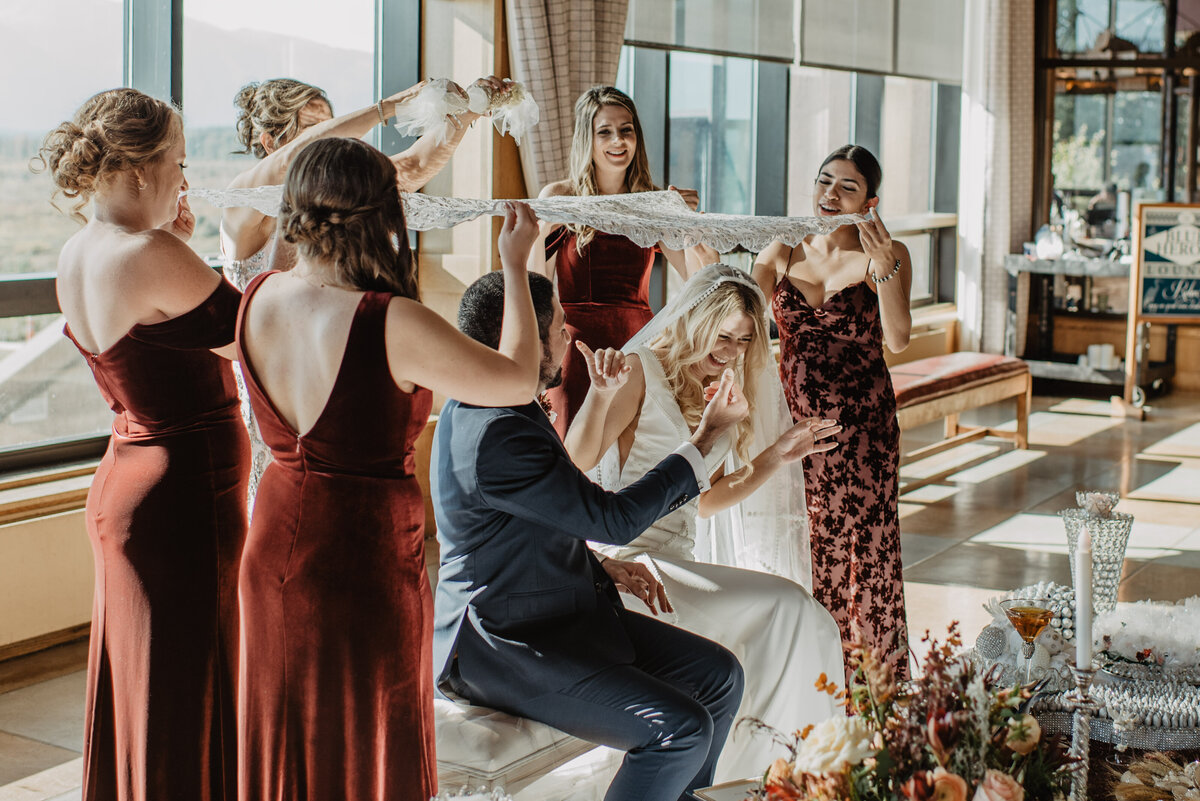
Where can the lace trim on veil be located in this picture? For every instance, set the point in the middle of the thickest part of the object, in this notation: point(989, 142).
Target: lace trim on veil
point(646, 218)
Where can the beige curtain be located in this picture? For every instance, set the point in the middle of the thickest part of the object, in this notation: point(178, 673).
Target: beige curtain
point(558, 49)
point(996, 166)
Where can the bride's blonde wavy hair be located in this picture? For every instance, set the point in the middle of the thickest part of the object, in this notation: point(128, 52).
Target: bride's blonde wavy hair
point(689, 339)
point(582, 167)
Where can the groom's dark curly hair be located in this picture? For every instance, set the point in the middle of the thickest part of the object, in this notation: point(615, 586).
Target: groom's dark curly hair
point(481, 310)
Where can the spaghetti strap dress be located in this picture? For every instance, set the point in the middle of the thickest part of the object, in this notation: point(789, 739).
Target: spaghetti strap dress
point(166, 516)
point(832, 366)
point(605, 295)
point(337, 613)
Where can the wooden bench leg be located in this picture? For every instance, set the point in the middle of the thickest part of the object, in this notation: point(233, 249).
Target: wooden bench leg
point(951, 426)
point(1024, 404)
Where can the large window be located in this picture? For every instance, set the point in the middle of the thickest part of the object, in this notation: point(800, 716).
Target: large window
point(57, 53)
point(230, 43)
point(46, 391)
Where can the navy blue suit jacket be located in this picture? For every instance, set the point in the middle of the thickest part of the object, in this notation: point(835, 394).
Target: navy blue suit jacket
point(520, 598)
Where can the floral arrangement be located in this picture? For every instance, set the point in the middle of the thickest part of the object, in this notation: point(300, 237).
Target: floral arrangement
point(1157, 777)
point(950, 735)
point(1161, 636)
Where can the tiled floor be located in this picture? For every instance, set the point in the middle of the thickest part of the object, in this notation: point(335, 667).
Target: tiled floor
point(986, 522)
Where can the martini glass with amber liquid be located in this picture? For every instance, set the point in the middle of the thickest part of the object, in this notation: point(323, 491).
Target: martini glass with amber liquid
point(1028, 616)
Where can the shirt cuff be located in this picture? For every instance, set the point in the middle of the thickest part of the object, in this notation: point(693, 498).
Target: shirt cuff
point(690, 452)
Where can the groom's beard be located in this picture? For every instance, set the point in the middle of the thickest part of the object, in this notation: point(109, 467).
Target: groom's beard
point(550, 380)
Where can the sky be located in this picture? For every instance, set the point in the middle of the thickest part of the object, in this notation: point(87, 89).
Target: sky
point(348, 23)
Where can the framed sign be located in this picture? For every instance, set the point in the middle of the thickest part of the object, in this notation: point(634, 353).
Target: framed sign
point(1164, 285)
point(1168, 258)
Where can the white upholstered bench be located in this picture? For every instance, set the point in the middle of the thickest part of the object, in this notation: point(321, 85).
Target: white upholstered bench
point(483, 748)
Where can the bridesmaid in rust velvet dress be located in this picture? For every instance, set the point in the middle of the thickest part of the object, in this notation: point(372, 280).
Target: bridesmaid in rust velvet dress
point(837, 299)
point(337, 615)
point(603, 279)
point(166, 513)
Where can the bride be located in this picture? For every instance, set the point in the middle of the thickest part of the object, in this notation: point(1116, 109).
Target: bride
point(640, 404)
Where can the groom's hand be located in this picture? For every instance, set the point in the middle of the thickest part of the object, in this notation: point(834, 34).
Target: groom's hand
point(606, 368)
point(636, 579)
point(727, 407)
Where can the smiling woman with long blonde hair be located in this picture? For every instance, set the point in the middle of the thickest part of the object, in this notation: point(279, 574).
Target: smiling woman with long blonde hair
point(603, 279)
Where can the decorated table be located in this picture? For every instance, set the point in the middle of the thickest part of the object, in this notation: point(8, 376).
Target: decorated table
point(1063, 678)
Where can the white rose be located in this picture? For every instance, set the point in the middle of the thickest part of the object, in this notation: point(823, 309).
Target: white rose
point(835, 744)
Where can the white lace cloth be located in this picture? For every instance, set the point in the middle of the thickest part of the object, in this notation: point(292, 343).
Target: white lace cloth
point(646, 218)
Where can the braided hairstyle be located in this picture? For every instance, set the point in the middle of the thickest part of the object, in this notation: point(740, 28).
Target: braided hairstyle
point(113, 131)
point(272, 107)
point(341, 205)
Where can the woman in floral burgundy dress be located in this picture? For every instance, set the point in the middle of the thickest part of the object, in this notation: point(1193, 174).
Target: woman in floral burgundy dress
point(837, 300)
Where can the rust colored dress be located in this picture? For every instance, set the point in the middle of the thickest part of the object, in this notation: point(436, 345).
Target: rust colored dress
point(605, 295)
point(832, 366)
point(337, 614)
point(166, 515)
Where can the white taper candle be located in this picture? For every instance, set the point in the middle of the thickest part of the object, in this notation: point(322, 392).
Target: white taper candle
point(1083, 599)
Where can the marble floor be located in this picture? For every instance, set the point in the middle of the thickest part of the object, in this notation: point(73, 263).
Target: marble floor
point(979, 519)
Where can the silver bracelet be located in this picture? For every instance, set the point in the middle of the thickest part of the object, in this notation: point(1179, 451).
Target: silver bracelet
point(382, 117)
point(887, 277)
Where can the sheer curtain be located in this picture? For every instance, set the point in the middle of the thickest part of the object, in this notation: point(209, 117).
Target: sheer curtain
point(996, 165)
point(558, 50)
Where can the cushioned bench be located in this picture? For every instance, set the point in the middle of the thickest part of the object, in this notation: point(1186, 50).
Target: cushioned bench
point(479, 747)
point(942, 387)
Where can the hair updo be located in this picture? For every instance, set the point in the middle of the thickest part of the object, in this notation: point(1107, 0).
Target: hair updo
point(341, 205)
point(272, 107)
point(112, 131)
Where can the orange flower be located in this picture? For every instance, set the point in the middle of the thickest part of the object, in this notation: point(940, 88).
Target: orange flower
point(948, 786)
point(779, 772)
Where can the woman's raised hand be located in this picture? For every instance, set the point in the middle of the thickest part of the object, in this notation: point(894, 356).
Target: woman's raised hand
point(690, 196)
point(876, 242)
point(407, 95)
point(518, 234)
point(810, 435)
point(494, 86)
point(184, 224)
point(606, 367)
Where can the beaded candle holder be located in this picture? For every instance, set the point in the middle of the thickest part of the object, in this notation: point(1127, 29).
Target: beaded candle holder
point(1110, 534)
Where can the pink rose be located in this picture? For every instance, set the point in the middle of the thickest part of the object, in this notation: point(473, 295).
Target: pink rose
point(1023, 734)
point(948, 786)
point(997, 786)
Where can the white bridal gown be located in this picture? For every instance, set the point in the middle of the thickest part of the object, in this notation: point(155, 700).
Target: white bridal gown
point(781, 635)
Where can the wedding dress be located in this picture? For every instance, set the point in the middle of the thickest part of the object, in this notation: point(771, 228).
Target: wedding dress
point(781, 635)
point(274, 255)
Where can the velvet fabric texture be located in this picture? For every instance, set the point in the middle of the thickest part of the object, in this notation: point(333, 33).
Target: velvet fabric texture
point(832, 366)
point(605, 295)
point(337, 614)
point(166, 515)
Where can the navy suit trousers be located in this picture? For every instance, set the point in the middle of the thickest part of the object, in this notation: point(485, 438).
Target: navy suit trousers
point(670, 711)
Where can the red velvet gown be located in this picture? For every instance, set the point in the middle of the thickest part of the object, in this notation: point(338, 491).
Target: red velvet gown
point(605, 295)
point(166, 515)
point(337, 613)
point(832, 366)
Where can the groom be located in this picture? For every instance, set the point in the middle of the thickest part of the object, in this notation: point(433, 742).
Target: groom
point(527, 620)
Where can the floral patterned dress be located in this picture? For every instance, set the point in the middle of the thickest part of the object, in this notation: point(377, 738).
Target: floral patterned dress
point(832, 366)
